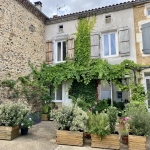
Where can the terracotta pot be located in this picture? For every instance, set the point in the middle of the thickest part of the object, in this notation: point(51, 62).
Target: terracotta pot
point(124, 140)
point(87, 135)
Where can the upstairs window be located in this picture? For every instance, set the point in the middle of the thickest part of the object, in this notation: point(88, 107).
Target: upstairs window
point(109, 41)
point(60, 52)
point(108, 19)
point(60, 28)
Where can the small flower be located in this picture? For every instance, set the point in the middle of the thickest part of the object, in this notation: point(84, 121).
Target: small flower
point(22, 124)
point(30, 119)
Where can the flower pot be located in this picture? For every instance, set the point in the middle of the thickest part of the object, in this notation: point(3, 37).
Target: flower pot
point(87, 135)
point(109, 142)
point(9, 133)
point(137, 142)
point(44, 117)
point(124, 140)
point(24, 131)
point(69, 137)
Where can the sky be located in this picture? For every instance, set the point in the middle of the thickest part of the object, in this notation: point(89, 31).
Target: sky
point(49, 7)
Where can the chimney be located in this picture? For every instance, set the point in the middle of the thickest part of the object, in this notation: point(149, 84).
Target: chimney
point(38, 5)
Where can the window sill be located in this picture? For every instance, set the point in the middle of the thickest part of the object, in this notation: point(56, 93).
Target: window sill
point(110, 56)
point(59, 62)
point(57, 101)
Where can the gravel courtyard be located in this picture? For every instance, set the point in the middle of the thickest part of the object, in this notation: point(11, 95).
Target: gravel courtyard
point(40, 137)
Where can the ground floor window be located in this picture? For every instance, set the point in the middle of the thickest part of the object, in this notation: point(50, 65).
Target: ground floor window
point(56, 95)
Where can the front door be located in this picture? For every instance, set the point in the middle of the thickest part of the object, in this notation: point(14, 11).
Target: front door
point(147, 86)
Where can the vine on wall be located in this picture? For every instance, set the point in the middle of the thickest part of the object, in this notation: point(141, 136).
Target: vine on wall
point(82, 69)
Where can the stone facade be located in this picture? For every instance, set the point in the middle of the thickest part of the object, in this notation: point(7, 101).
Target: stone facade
point(140, 17)
point(21, 40)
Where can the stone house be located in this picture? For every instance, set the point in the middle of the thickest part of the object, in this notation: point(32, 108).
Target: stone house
point(22, 39)
point(115, 27)
point(27, 35)
point(142, 36)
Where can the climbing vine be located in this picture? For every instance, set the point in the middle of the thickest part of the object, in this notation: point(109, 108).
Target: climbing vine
point(82, 70)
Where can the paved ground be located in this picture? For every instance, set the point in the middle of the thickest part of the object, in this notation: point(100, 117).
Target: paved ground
point(40, 137)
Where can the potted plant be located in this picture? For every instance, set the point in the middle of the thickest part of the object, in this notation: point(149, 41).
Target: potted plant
point(71, 121)
point(101, 127)
point(25, 124)
point(139, 125)
point(11, 114)
point(124, 136)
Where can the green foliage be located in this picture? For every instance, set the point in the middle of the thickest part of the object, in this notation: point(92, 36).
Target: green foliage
point(8, 83)
point(99, 106)
point(12, 114)
point(140, 121)
point(98, 124)
point(82, 41)
point(112, 114)
point(70, 118)
point(26, 123)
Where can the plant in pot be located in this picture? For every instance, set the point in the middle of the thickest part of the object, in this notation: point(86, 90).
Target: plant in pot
point(11, 114)
point(71, 122)
point(124, 136)
point(46, 101)
point(26, 124)
point(139, 125)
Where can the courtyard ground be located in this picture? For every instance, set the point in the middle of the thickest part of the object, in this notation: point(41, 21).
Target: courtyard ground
point(40, 137)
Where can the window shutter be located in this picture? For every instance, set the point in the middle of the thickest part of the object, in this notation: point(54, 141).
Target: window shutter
point(146, 38)
point(71, 48)
point(124, 47)
point(95, 45)
point(49, 52)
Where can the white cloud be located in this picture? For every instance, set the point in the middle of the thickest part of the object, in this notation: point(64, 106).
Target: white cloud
point(50, 6)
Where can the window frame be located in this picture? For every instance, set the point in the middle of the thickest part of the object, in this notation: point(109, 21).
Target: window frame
point(56, 51)
point(55, 94)
point(116, 42)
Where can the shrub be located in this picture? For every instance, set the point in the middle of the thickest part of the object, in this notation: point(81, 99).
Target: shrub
point(112, 114)
point(140, 118)
point(35, 116)
point(12, 114)
point(70, 118)
point(98, 124)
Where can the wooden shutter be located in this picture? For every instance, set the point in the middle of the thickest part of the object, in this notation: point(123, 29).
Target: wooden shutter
point(71, 48)
point(95, 45)
point(49, 52)
point(146, 38)
point(124, 47)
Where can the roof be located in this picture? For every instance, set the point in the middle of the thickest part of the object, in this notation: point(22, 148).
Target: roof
point(96, 11)
point(29, 6)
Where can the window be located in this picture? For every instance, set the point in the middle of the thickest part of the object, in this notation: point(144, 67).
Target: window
point(109, 44)
point(108, 19)
point(60, 28)
point(60, 52)
point(56, 95)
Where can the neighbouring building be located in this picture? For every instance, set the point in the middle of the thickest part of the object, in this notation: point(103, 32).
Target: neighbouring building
point(142, 38)
point(22, 40)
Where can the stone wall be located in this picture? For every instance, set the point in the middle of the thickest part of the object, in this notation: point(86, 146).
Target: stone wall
point(140, 18)
point(21, 41)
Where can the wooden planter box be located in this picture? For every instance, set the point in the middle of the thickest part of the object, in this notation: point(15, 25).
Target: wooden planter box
point(44, 117)
point(137, 142)
point(9, 133)
point(69, 137)
point(110, 141)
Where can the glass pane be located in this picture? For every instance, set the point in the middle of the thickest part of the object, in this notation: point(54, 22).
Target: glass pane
point(59, 93)
point(64, 50)
point(106, 45)
point(113, 44)
point(148, 90)
point(52, 92)
point(59, 51)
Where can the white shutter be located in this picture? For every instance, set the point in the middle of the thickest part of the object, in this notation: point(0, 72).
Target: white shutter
point(95, 45)
point(124, 47)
